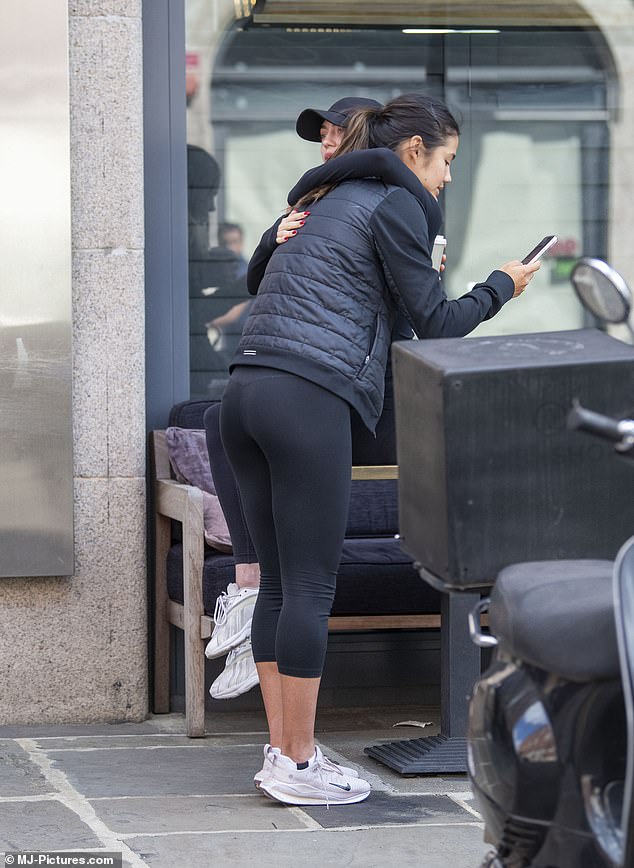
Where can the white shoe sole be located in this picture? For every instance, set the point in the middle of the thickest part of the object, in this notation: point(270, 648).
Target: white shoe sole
point(271, 790)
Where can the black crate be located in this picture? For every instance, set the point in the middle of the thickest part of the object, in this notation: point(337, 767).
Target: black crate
point(489, 472)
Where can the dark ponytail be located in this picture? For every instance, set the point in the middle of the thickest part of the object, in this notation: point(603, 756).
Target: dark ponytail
point(407, 115)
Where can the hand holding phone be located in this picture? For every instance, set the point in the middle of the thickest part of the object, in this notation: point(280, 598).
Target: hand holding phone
point(539, 250)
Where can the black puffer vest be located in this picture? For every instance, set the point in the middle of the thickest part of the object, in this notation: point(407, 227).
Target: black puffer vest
point(323, 309)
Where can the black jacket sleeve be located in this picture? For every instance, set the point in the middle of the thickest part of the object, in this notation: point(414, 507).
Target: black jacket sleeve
point(260, 259)
point(401, 236)
point(373, 163)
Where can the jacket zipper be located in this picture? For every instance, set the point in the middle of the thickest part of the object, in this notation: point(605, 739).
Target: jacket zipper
point(375, 338)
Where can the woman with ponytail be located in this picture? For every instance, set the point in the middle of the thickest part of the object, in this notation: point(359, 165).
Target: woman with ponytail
point(315, 347)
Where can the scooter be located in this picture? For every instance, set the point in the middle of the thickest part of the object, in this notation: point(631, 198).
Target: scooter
point(550, 744)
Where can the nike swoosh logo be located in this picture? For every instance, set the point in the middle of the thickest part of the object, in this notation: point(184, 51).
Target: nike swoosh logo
point(347, 787)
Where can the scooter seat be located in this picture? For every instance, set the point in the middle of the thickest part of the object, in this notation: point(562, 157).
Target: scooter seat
point(558, 616)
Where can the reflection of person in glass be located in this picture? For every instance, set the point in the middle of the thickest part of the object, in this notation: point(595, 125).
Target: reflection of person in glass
point(224, 331)
point(315, 344)
point(231, 236)
point(216, 280)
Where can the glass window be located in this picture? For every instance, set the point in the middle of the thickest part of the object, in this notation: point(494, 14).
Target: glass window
point(533, 105)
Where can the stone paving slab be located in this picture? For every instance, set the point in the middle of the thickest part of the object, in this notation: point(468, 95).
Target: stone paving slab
point(143, 816)
point(166, 800)
point(398, 847)
point(158, 723)
point(160, 771)
point(86, 742)
point(222, 723)
point(384, 809)
point(19, 776)
point(43, 825)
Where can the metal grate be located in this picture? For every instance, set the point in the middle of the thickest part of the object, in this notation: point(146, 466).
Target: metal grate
point(436, 754)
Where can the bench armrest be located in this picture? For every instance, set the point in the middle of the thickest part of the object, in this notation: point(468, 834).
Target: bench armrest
point(178, 501)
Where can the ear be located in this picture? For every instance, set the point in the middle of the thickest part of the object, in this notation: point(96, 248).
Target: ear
point(416, 143)
point(411, 149)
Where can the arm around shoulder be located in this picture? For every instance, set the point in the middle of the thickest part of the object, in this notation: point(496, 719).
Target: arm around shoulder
point(380, 163)
point(260, 259)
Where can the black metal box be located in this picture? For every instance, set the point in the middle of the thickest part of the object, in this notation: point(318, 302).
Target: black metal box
point(489, 473)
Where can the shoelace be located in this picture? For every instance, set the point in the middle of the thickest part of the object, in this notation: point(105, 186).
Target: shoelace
point(327, 766)
point(220, 610)
point(320, 769)
point(331, 766)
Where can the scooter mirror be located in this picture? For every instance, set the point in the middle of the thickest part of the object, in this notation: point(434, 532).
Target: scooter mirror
point(602, 290)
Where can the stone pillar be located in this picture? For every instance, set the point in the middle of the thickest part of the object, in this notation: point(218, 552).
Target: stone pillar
point(74, 648)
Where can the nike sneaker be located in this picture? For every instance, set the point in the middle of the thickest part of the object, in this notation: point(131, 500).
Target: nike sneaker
point(269, 753)
point(319, 783)
point(239, 675)
point(232, 619)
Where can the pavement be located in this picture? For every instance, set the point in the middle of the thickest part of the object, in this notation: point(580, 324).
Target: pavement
point(162, 800)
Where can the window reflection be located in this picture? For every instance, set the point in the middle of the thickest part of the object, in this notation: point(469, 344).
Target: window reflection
point(533, 160)
point(533, 736)
point(218, 297)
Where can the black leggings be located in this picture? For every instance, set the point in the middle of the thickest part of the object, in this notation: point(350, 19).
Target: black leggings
point(288, 441)
point(227, 489)
point(367, 448)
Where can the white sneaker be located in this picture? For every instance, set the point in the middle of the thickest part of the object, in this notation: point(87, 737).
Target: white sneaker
point(239, 674)
point(232, 617)
point(322, 783)
point(270, 752)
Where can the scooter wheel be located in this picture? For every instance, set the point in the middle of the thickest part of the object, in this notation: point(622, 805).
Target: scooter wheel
point(492, 860)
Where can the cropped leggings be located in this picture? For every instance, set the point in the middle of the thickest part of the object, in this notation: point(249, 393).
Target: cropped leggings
point(367, 448)
point(288, 441)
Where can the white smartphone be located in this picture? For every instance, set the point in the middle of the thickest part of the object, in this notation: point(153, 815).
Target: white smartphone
point(538, 251)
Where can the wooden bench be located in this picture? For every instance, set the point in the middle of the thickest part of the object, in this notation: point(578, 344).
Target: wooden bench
point(174, 501)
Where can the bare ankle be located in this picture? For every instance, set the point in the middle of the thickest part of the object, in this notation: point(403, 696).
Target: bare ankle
point(299, 753)
point(248, 575)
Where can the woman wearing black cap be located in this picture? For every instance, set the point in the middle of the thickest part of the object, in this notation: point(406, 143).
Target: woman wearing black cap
point(315, 345)
point(326, 125)
point(378, 447)
point(235, 607)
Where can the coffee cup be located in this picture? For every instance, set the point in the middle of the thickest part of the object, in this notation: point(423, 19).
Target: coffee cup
point(437, 253)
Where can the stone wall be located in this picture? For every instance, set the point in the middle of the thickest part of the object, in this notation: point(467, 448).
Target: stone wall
point(74, 648)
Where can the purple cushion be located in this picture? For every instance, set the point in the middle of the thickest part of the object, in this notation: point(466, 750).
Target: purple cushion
point(187, 450)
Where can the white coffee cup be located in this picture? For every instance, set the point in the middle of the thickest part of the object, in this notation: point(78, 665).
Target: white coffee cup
point(437, 253)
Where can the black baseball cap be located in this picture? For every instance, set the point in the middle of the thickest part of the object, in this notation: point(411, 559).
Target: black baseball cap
point(310, 120)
